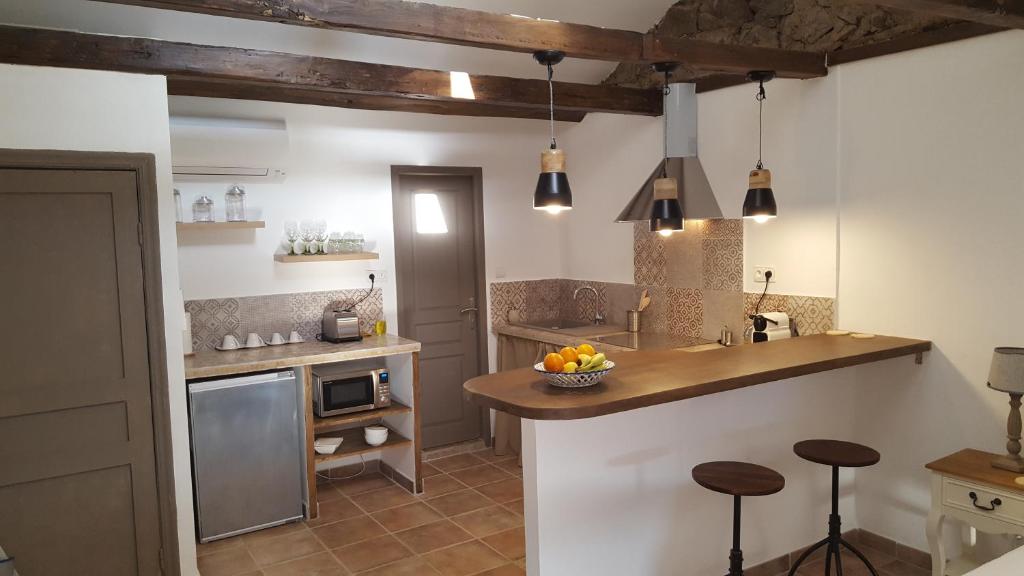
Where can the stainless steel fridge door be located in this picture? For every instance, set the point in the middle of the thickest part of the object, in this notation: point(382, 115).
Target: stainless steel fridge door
point(246, 453)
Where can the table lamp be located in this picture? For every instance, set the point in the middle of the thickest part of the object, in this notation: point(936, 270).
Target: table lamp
point(1007, 375)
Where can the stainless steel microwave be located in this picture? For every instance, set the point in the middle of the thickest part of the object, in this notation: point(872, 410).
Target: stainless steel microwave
point(341, 389)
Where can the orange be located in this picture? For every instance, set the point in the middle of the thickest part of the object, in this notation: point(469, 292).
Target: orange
point(554, 362)
point(569, 354)
point(586, 349)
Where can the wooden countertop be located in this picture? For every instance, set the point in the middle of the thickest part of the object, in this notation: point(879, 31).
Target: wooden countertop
point(976, 466)
point(643, 379)
point(217, 363)
point(592, 335)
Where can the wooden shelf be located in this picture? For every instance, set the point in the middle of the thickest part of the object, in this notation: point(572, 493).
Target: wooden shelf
point(289, 258)
point(322, 425)
point(247, 225)
point(354, 445)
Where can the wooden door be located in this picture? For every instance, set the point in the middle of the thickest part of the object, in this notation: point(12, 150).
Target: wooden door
point(439, 267)
point(78, 487)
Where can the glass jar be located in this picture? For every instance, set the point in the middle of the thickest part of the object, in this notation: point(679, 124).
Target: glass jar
point(234, 204)
point(202, 209)
point(177, 206)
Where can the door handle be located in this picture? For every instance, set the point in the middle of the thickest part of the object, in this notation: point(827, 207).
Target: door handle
point(470, 309)
point(996, 502)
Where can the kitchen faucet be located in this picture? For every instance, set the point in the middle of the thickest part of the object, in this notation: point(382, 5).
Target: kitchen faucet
point(598, 317)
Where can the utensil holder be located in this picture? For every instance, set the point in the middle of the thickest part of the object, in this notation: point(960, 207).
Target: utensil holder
point(632, 321)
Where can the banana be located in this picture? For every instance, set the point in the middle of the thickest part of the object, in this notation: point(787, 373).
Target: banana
point(596, 362)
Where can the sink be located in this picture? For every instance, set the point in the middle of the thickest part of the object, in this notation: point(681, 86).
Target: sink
point(556, 324)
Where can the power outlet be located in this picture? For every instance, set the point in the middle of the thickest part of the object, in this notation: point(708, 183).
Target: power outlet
point(380, 276)
point(760, 272)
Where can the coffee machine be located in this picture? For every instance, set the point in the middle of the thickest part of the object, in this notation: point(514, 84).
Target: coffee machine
point(770, 326)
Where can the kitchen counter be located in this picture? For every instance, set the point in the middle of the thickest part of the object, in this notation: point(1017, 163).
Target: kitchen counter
point(608, 338)
point(217, 363)
point(647, 378)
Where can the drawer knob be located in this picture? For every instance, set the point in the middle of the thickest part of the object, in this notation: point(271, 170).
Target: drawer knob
point(995, 502)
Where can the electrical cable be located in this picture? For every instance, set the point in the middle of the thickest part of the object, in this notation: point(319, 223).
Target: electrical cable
point(761, 96)
point(365, 296)
point(329, 477)
point(551, 103)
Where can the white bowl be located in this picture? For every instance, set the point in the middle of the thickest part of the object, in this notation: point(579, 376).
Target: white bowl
point(327, 445)
point(375, 435)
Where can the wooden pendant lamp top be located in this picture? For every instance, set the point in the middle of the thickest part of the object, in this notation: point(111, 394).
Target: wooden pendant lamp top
point(552, 160)
point(666, 189)
point(760, 178)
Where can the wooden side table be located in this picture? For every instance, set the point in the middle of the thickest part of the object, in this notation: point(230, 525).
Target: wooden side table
point(965, 486)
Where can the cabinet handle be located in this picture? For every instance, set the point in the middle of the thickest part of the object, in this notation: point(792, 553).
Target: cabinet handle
point(995, 502)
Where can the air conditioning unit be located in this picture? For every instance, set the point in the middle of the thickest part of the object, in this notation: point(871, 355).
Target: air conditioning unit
point(228, 150)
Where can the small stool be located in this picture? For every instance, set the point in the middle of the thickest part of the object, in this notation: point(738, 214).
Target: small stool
point(737, 479)
point(837, 454)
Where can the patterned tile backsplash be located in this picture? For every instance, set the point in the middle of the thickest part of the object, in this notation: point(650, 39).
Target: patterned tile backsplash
point(212, 319)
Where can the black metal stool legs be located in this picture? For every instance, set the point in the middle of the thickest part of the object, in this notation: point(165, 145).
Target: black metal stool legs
point(834, 541)
point(735, 555)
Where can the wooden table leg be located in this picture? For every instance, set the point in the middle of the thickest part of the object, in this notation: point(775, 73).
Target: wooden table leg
point(934, 529)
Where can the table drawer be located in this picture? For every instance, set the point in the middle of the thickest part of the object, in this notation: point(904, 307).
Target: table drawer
point(1010, 507)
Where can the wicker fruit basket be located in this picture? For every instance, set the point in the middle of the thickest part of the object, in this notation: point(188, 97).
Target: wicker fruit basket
point(576, 379)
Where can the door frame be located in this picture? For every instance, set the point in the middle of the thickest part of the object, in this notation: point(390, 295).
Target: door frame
point(404, 236)
point(144, 167)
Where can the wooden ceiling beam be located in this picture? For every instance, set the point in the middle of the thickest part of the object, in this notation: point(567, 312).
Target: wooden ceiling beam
point(951, 33)
point(269, 71)
point(461, 26)
point(999, 13)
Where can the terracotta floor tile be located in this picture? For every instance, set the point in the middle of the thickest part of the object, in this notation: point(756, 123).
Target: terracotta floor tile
point(487, 521)
point(371, 553)
point(464, 559)
point(512, 466)
point(459, 502)
point(457, 462)
point(348, 532)
point(901, 568)
point(288, 547)
point(408, 516)
point(432, 536)
point(429, 470)
point(440, 485)
point(256, 538)
point(410, 567)
point(480, 475)
point(488, 455)
point(218, 546)
point(384, 498)
point(506, 570)
point(339, 509)
point(511, 543)
point(326, 492)
point(231, 562)
point(322, 564)
point(362, 483)
point(504, 491)
point(851, 565)
point(516, 506)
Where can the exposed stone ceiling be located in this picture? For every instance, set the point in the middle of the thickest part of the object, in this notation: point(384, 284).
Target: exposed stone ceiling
point(812, 25)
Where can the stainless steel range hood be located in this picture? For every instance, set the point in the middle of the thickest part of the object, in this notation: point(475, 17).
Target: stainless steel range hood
point(695, 194)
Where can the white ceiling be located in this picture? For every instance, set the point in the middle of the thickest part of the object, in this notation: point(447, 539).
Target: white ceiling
point(102, 18)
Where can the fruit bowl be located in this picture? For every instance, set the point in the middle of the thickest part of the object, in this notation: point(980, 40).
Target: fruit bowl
point(575, 379)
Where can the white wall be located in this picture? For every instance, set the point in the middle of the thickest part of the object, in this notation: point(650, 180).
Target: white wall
point(49, 108)
point(932, 200)
point(610, 156)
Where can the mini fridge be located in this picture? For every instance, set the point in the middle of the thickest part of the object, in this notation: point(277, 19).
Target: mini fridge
point(247, 453)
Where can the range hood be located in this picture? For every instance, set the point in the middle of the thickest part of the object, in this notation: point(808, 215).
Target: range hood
point(695, 194)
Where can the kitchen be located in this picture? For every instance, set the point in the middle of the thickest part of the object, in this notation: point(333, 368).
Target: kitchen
point(897, 216)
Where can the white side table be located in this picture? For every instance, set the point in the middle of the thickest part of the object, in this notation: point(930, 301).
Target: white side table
point(965, 486)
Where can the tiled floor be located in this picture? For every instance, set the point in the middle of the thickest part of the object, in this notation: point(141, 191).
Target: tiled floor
point(885, 563)
point(469, 521)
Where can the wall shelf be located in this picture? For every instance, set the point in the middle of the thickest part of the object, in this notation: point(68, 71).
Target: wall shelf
point(290, 258)
point(323, 425)
point(354, 445)
point(247, 225)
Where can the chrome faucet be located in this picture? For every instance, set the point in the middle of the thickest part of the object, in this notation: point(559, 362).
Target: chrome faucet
point(598, 317)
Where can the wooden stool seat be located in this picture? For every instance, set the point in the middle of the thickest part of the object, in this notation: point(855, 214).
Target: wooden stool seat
point(837, 453)
point(738, 478)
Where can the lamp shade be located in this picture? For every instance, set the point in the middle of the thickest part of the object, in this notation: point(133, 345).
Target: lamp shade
point(553, 193)
point(760, 201)
point(1007, 371)
point(666, 213)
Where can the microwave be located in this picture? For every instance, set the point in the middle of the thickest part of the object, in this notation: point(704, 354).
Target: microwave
point(340, 389)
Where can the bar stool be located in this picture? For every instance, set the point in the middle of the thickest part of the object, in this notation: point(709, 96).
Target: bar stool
point(737, 479)
point(837, 454)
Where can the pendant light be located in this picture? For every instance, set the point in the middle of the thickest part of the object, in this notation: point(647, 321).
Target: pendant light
point(552, 193)
point(759, 205)
point(666, 213)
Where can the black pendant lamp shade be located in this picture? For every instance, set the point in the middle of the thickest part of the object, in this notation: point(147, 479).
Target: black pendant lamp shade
point(552, 193)
point(666, 212)
point(759, 204)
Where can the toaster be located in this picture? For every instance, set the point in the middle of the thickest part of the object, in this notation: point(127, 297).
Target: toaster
point(340, 326)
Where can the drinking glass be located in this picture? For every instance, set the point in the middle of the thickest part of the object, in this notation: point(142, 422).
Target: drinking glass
point(291, 230)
